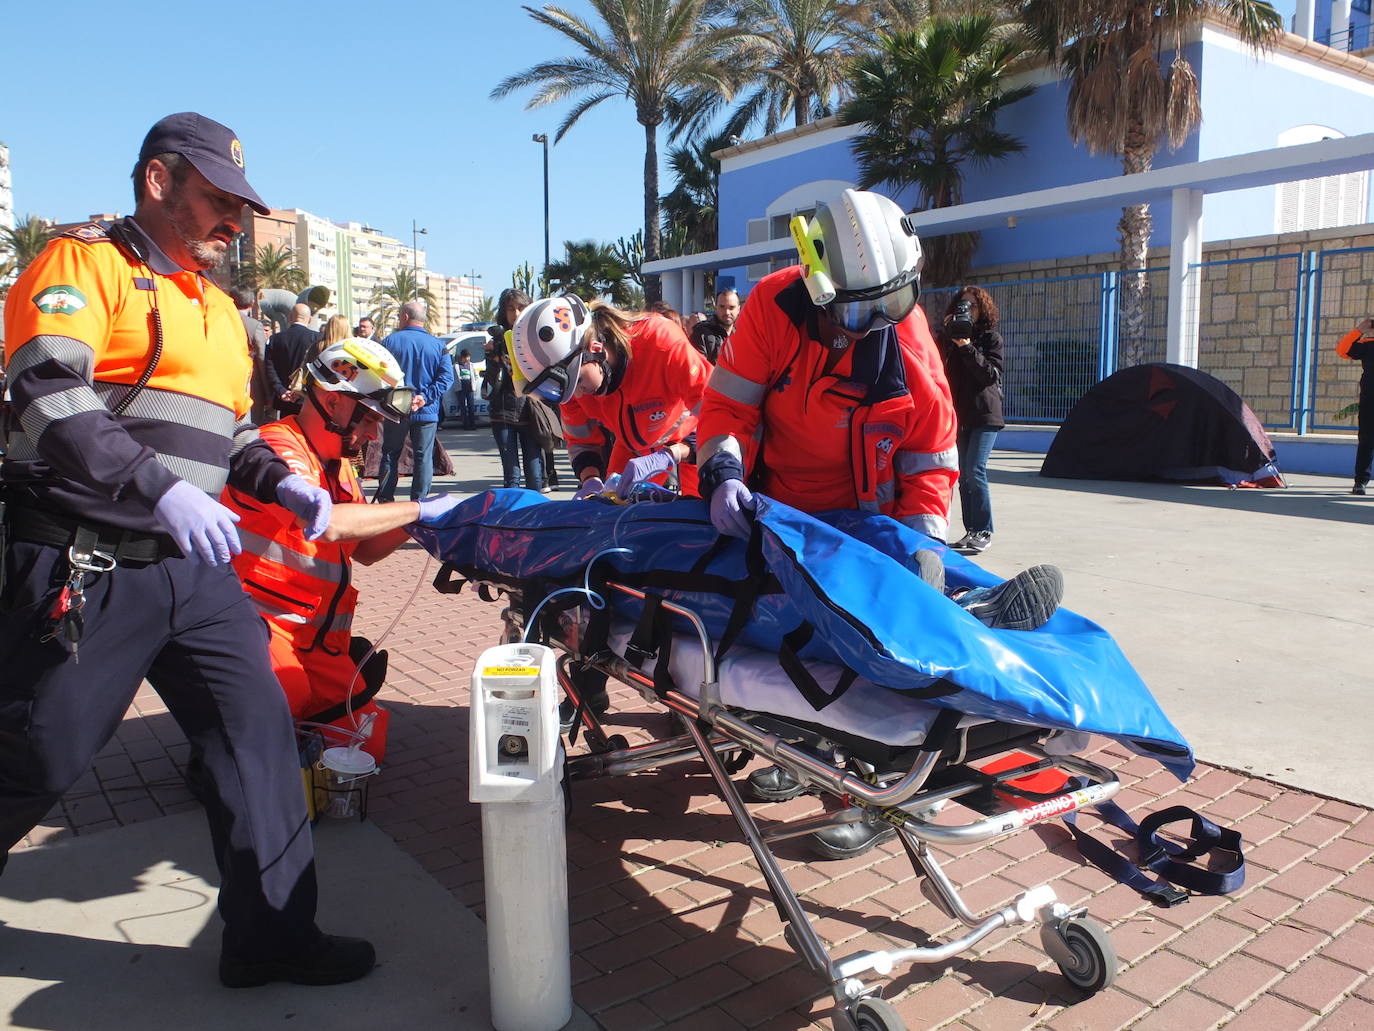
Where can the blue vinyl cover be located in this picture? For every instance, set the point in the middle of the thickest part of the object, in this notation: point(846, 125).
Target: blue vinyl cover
point(850, 576)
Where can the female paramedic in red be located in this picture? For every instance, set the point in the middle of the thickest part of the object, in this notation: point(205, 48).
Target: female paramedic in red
point(634, 379)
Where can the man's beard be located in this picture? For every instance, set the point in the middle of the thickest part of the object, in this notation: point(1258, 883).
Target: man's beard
point(206, 253)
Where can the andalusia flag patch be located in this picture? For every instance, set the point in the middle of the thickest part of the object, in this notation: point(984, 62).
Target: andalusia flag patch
point(60, 300)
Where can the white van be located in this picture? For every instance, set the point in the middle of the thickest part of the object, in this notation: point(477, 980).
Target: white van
point(474, 343)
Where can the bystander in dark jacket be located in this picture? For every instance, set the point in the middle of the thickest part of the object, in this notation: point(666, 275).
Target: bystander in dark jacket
point(286, 353)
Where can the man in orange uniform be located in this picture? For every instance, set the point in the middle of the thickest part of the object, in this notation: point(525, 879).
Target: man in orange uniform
point(129, 374)
point(303, 587)
point(639, 379)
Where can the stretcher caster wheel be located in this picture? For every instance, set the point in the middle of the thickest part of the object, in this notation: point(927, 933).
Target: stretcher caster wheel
point(1090, 961)
point(873, 1014)
point(616, 743)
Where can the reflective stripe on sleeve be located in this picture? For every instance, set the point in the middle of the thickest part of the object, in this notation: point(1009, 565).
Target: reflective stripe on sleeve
point(74, 354)
point(583, 431)
point(725, 442)
point(41, 412)
point(912, 463)
point(887, 490)
point(736, 387)
point(930, 525)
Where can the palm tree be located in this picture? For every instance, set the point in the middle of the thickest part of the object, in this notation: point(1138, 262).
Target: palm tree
point(482, 311)
point(274, 268)
point(692, 205)
point(672, 59)
point(929, 100)
point(802, 57)
point(1123, 102)
point(909, 15)
point(25, 241)
point(387, 299)
point(590, 269)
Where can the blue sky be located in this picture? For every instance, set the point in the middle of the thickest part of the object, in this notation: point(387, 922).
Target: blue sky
point(340, 113)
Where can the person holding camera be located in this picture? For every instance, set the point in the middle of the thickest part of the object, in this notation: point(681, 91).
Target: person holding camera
point(971, 349)
point(1358, 345)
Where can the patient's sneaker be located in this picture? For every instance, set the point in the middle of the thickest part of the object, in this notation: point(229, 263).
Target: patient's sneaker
point(599, 703)
point(774, 784)
point(1024, 602)
point(849, 839)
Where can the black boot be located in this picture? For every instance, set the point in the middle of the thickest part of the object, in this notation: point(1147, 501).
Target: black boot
point(848, 840)
point(331, 960)
point(774, 784)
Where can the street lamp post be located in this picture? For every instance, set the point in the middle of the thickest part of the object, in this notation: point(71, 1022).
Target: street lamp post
point(543, 138)
point(472, 277)
point(415, 234)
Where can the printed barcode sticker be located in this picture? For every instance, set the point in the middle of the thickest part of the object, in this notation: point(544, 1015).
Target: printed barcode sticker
point(515, 718)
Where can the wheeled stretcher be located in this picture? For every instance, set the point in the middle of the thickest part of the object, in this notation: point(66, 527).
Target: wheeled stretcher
point(952, 760)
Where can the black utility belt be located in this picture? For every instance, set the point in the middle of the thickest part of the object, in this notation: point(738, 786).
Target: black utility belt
point(39, 527)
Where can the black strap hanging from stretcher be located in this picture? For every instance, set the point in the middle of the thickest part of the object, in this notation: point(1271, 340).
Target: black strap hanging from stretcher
point(1169, 861)
point(653, 639)
point(801, 677)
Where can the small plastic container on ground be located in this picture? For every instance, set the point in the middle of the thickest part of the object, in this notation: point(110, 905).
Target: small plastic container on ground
point(343, 776)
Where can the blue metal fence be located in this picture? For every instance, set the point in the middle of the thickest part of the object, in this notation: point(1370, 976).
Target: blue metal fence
point(1267, 327)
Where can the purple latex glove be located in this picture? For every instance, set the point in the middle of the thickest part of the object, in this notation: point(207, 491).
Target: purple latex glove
point(729, 504)
point(642, 468)
point(202, 528)
point(435, 505)
point(591, 487)
point(308, 502)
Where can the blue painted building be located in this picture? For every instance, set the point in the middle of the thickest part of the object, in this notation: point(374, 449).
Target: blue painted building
point(1299, 92)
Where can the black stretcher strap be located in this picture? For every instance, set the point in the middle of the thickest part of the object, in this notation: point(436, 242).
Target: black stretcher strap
point(653, 639)
point(801, 677)
point(1169, 861)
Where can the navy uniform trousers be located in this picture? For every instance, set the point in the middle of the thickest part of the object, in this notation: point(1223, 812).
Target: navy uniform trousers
point(193, 633)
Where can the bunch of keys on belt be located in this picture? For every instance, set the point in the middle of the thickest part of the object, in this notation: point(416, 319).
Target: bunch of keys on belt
point(66, 619)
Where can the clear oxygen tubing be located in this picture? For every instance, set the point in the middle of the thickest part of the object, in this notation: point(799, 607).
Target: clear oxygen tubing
point(593, 599)
point(377, 644)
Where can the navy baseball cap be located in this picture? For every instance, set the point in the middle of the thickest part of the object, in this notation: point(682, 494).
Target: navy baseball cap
point(212, 148)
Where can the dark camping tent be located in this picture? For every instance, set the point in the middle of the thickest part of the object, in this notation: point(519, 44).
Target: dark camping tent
point(1163, 422)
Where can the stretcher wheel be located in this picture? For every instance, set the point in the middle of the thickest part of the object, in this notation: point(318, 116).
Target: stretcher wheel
point(616, 743)
point(1094, 960)
point(874, 1014)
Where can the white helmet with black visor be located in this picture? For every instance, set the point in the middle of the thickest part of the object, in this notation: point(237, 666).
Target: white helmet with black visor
point(859, 262)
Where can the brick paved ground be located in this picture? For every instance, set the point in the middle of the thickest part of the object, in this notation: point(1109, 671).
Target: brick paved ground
point(672, 926)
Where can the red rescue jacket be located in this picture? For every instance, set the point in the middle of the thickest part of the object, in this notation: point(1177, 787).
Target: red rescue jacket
point(654, 405)
point(870, 426)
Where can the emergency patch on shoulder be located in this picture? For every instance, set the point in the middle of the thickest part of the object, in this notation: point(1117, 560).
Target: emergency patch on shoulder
point(90, 232)
point(62, 299)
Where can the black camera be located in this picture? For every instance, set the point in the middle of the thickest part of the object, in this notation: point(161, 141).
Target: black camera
point(960, 325)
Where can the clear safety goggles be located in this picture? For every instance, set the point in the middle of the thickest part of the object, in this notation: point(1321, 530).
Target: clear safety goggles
point(862, 311)
point(558, 382)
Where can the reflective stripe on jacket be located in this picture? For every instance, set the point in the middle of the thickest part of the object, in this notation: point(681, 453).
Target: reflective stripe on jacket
point(304, 587)
point(869, 426)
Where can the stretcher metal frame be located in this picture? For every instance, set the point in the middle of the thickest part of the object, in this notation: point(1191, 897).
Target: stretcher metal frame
point(716, 734)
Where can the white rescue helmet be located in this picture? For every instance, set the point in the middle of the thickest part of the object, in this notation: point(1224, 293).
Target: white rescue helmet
point(548, 345)
point(873, 263)
point(366, 371)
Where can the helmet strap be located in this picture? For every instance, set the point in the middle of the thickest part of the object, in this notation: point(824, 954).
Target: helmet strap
point(329, 423)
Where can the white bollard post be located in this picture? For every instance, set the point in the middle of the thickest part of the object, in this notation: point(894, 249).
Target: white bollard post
point(516, 772)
